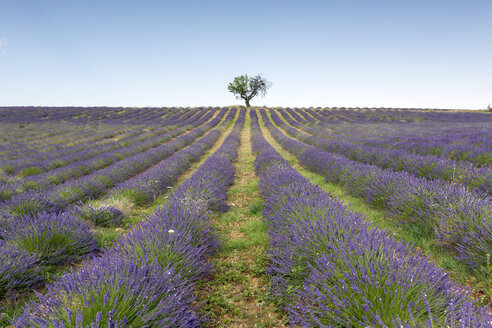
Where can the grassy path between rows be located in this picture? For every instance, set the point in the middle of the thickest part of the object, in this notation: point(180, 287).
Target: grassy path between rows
point(457, 271)
point(237, 294)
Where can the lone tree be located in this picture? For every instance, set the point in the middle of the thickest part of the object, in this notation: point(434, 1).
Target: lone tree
point(245, 87)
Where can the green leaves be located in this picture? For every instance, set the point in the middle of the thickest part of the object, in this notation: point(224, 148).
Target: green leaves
point(239, 86)
point(247, 88)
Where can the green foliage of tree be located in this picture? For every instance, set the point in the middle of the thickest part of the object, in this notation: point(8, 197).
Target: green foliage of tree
point(246, 88)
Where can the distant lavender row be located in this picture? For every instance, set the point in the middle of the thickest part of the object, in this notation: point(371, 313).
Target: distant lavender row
point(96, 183)
point(328, 268)
point(28, 126)
point(47, 180)
point(44, 136)
point(467, 139)
point(84, 115)
point(49, 137)
point(451, 144)
point(80, 114)
point(147, 279)
point(475, 133)
point(47, 160)
point(473, 148)
point(69, 126)
point(44, 161)
point(99, 158)
point(218, 167)
point(399, 118)
point(427, 166)
point(454, 126)
point(456, 217)
point(401, 115)
point(93, 185)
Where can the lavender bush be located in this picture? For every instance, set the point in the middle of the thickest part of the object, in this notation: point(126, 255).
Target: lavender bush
point(102, 216)
point(113, 291)
point(31, 203)
point(52, 238)
point(18, 269)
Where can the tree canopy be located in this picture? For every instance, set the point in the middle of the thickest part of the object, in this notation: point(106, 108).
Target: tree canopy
point(246, 88)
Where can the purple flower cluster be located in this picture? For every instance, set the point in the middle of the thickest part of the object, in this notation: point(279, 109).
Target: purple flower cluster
point(114, 291)
point(32, 202)
point(147, 278)
point(18, 269)
point(53, 239)
point(329, 269)
point(102, 216)
point(452, 213)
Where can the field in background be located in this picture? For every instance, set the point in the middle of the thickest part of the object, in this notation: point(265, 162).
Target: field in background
point(235, 217)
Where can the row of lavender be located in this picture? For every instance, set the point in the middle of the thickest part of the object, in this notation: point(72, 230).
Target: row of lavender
point(98, 182)
point(467, 137)
point(40, 138)
point(464, 148)
point(147, 279)
point(111, 115)
point(475, 133)
point(330, 269)
point(427, 166)
point(442, 125)
point(456, 135)
point(470, 140)
point(97, 158)
point(46, 160)
point(392, 115)
point(54, 236)
point(399, 117)
point(25, 134)
point(457, 218)
point(27, 144)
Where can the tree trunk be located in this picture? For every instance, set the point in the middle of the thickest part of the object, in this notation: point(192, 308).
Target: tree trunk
point(247, 102)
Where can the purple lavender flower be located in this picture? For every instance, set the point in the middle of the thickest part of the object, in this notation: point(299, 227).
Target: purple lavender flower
point(18, 269)
point(114, 291)
point(102, 216)
point(52, 238)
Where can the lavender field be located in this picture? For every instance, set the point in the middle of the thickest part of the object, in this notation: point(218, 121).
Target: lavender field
point(235, 217)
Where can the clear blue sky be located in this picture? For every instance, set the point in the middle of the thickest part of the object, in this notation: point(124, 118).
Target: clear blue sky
point(399, 53)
